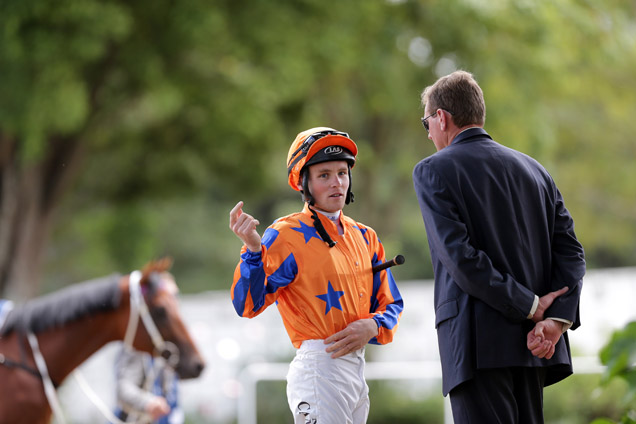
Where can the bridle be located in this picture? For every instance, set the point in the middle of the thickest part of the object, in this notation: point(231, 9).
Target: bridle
point(138, 309)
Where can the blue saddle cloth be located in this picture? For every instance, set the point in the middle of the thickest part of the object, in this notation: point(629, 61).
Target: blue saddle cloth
point(5, 308)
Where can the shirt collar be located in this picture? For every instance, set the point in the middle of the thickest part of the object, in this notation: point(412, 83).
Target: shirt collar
point(470, 133)
point(327, 215)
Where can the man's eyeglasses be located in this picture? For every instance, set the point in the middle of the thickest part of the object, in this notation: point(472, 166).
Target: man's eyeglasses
point(426, 118)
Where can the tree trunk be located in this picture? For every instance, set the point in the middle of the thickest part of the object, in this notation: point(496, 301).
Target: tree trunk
point(29, 191)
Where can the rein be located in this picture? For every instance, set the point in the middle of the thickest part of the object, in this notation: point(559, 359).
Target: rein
point(6, 306)
point(138, 309)
point(49, 389)
point(13, 364)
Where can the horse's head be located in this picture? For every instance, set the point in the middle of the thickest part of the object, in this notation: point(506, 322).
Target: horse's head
point(159, 292)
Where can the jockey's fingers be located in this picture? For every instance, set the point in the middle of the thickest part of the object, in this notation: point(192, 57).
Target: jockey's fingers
point(246, 227)
point(239, 227)
point(236, 212)
point(240, 219)
point(247, 221)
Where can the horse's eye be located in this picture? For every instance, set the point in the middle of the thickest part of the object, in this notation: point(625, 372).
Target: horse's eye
point(159, 314)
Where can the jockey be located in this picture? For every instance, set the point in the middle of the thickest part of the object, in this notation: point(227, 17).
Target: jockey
point(316, 265)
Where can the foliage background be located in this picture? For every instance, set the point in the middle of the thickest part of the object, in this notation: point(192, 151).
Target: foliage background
point(142, 126)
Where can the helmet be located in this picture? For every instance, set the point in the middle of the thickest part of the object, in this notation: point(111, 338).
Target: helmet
point(313, 146)
point(316, 145)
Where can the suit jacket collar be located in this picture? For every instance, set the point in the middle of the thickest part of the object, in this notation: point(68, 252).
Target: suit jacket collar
point(470, 133)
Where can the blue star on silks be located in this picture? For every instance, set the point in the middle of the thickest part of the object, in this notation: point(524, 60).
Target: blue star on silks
point(307, 231)
point(364, 233)
point(331, 298)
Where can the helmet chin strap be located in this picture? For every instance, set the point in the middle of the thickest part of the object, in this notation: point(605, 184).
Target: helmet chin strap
point(319, 227)
point(307, 197)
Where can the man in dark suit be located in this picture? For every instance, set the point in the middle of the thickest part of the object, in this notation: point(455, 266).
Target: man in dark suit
point(508, 266)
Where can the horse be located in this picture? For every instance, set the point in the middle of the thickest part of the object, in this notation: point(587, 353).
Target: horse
point(71, 324)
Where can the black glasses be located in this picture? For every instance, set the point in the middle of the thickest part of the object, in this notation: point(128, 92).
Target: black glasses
point(425, 119)
point(308, 142)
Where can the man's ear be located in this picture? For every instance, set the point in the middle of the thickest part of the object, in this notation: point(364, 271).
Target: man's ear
point(442, 120)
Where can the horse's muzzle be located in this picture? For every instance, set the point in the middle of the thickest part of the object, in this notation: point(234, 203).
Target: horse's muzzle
point(190, 369)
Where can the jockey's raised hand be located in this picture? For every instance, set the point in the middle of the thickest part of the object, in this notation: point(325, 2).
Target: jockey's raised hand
point(244, 226)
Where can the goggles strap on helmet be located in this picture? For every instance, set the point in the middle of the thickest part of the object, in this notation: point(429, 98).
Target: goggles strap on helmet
point(307, 143)
point(319, 227)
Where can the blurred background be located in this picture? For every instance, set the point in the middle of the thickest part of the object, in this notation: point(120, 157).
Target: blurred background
point(128, 130)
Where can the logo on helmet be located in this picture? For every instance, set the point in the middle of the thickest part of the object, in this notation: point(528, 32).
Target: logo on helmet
point(333, 150)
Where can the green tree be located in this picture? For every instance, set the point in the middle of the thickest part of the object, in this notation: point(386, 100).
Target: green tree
point(619, 356)
point(121, 124)
point(142, 104)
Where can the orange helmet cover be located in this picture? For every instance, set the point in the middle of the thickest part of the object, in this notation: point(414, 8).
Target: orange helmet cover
point(295, 151)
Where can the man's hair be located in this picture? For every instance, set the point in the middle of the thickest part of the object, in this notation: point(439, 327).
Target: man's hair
point(459, 94)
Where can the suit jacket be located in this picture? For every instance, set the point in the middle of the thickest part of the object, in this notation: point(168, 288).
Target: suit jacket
point(499, 233)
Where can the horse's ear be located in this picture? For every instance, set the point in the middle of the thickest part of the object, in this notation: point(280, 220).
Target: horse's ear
point(155, 267)
point(159, 265)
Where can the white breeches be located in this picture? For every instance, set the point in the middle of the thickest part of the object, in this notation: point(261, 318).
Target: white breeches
point(322, 390)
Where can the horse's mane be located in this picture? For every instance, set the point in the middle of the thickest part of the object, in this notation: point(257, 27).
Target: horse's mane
point(74, 302)
point(66, 305)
